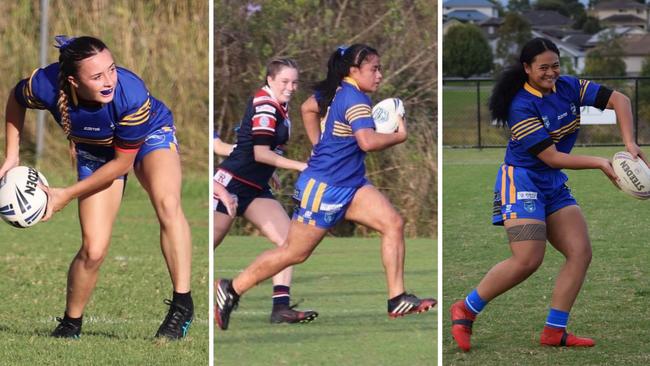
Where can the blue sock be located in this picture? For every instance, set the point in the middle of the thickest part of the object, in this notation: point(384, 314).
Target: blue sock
point(474, 303)
point(281, 295)
point(557, 318)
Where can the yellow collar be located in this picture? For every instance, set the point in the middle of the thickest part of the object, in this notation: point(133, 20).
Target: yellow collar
point(350, 80)
point(534, 91)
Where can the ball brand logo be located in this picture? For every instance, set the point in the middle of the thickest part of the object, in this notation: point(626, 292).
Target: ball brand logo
point(380, 114)
point(633, 178)
point(32, 179)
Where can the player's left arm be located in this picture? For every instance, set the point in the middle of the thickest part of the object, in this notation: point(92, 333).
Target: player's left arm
point(311, 119)
point(370, 140)
point(622, 106)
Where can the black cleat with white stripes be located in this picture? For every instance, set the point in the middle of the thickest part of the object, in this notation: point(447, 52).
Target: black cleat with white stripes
point(227, 300)
point(408, 304)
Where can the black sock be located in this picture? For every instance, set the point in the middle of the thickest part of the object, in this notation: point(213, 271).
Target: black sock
point(75, 321)
point(184, 300)
point(231, 290)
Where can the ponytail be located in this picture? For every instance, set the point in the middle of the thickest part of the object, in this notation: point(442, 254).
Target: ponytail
point(338, 67)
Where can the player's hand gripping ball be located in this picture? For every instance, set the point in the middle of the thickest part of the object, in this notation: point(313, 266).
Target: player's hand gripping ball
point(634, 175)
point(386, 114)
point(22, 201)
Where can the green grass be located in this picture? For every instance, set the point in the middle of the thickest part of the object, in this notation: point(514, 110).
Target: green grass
point(127, 305)
point(344, 281)
point(612, 304)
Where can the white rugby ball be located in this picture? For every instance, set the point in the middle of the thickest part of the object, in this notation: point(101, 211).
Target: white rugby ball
point(634, 175)
point(385, 114)
point(22, 202)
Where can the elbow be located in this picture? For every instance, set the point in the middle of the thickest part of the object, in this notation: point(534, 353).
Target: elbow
point(365, 145)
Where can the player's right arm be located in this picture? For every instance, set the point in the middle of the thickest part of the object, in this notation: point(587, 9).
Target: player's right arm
point(15, 119)
point(221, 148)
point(370, 140)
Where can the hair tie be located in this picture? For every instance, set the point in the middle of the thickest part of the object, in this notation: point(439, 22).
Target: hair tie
point(342, 50)
point(63, 41)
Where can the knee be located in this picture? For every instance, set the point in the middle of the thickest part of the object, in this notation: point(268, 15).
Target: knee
point(582, 255)
point(529, 264)
point(92, 256)
point(393, 224)
point(168, 208)
point(293, 257)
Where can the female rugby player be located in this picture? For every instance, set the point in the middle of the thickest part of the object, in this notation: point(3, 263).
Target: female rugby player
point(334, 186)
point(531, 199)
point(112, 124)
point(245, 174)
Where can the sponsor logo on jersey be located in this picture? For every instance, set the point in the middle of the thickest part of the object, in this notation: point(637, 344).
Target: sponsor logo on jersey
point(222, 177)
point(88, 128)
point(265, 108)
point(526, 195)
point(331, 206)
point(562, 115)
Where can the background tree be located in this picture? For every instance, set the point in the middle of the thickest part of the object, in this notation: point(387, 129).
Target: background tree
point(513, 34)
point(605, 60)
point(466, 51)
point(518, 5)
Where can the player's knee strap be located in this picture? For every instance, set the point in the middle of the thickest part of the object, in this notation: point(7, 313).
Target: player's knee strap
point(527, 232)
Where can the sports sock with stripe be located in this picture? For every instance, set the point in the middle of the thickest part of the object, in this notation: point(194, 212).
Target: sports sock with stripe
point(474, 302)
point(557, 318)
point(281, 296)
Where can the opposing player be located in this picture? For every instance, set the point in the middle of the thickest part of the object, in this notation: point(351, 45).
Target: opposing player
point(245, 173)
point(334, 186)
point(113, 124)
point(531, 199)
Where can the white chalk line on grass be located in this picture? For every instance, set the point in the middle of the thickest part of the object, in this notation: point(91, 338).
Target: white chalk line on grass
point(337, 312)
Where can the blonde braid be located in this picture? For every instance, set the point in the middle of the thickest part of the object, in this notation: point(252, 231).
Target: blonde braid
point(62, 105)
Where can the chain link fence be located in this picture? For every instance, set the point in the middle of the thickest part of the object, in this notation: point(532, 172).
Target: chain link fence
point(466, 120)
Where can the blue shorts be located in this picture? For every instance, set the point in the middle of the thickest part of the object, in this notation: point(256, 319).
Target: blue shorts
point(320, 204)
point(90, 158)
point(521, 193)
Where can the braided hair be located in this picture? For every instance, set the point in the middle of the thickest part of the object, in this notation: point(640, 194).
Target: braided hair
point(338, 67)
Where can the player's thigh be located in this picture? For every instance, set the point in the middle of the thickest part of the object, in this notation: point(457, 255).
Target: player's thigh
point(221, 225)
point(567, 231)
point(371, 208)
point(268, 215)
point(97, 213)
point(527, 239)
point(160, 174)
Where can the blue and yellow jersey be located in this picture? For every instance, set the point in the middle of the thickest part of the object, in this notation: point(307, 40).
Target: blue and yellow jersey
point(123, 123)
point(337, 158)
point(538, 121)
point(265, 122)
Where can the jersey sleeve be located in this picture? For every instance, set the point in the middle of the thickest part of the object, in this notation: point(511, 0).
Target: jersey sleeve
point(589, 93)
point(358, 113)
point(264, 120)
point(39, 90)
point(134, 109)
point(527, 129)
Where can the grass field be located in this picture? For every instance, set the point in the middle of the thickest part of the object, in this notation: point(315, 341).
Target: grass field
point(127, 305)
point(612, 305)
point(344, 282)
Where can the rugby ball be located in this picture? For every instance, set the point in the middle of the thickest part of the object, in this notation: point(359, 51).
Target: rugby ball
point(634, 175)
point(22, 202)
point(385, 114)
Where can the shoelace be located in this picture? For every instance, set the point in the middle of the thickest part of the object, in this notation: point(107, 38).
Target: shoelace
point(175, 314)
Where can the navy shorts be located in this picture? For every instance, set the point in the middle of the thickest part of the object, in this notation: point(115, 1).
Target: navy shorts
point(521, 193)
point(245, 194)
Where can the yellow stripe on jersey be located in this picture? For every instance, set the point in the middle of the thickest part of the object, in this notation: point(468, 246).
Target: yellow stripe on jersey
point(28, 94)
point(523, 123)
point(513, 191)
point(526, 127)
point(312, 222)
point(307, 193)
point(81, 140)
point(503, 185)
point(530, 130)
point(558, 134)
point(138, 117)
point(341, 129)
point(583, 88)
point(358, 111)
point(318, 197)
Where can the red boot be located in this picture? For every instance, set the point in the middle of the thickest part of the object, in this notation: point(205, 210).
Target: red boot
point(461, 324)
point(558, 337)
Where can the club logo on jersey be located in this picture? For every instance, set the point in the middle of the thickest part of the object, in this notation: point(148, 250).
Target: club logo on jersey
point(265, 121)
point(529, 205)
point(329, 217)
point(154, 139)
point(547, 124)
point(222, 177)
point(574, 109)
